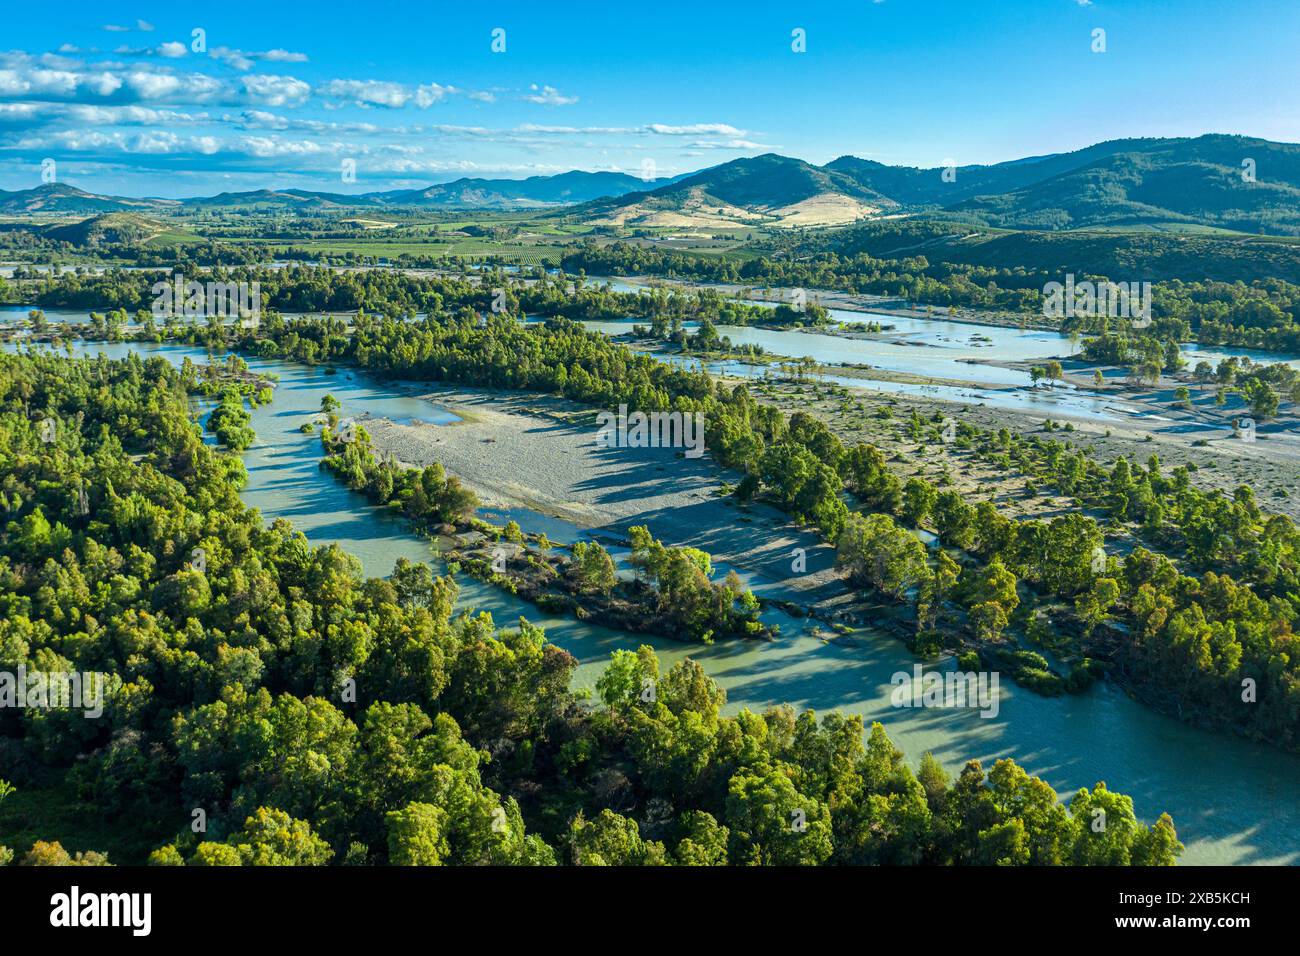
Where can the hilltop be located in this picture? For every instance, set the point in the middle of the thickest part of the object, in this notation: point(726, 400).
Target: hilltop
point(767, 189)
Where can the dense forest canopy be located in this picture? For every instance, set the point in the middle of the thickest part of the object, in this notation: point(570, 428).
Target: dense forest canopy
point(313, 716)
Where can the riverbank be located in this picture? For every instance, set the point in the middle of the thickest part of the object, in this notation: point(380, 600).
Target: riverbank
point(1198, 434)
point(539, 452)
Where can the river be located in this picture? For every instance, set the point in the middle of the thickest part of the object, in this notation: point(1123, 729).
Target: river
point(1233, 801)
point(932, 348)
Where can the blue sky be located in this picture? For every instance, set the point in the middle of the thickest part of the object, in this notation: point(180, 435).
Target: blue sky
point(413, 93)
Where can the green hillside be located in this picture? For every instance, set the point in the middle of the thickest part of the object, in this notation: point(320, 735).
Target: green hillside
point(118, 227)
point(1203, 181)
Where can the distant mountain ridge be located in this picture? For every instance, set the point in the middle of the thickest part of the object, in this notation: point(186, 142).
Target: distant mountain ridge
point(571, 187)
point(756, 190)
point(565, 188)
point(62, 198)
point(1214, 181)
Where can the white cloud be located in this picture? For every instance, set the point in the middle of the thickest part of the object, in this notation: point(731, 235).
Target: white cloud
point(131, 115)
point(368, 92)
point(19, 112)
point(236, 58)
point(426, 96)
point(244, 59)
point(275, 90)
point(172, 49)
point(153, 86)
point(35, 83)
point(262, 119)
point(281, 56)
point(656, 129)
point(549, 96)
point(696, 129)
point(391, 95)
point(23, 77)
point(575, 130)
point(86, 114)
point(57, 62)
point(729, 144)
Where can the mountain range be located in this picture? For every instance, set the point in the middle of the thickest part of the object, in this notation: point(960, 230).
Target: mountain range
point(1229, 182)
point(535, 192)
point(1214, 181)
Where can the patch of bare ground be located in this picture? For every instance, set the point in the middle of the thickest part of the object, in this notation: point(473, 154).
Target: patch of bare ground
point(540, 452)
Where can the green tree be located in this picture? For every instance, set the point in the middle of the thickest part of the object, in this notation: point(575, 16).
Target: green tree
point(417, 835)
point(609, 839)
point(1094, 605)
point(919, 498)
point(878, 552)
point(773, 824)
point(592, 568)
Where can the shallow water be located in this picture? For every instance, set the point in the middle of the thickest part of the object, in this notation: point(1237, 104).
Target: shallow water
point(936, 346)
point(1233, 801)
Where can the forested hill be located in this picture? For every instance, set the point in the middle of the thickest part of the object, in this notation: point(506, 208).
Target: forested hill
point(1154, 256)
point(1229, 182)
